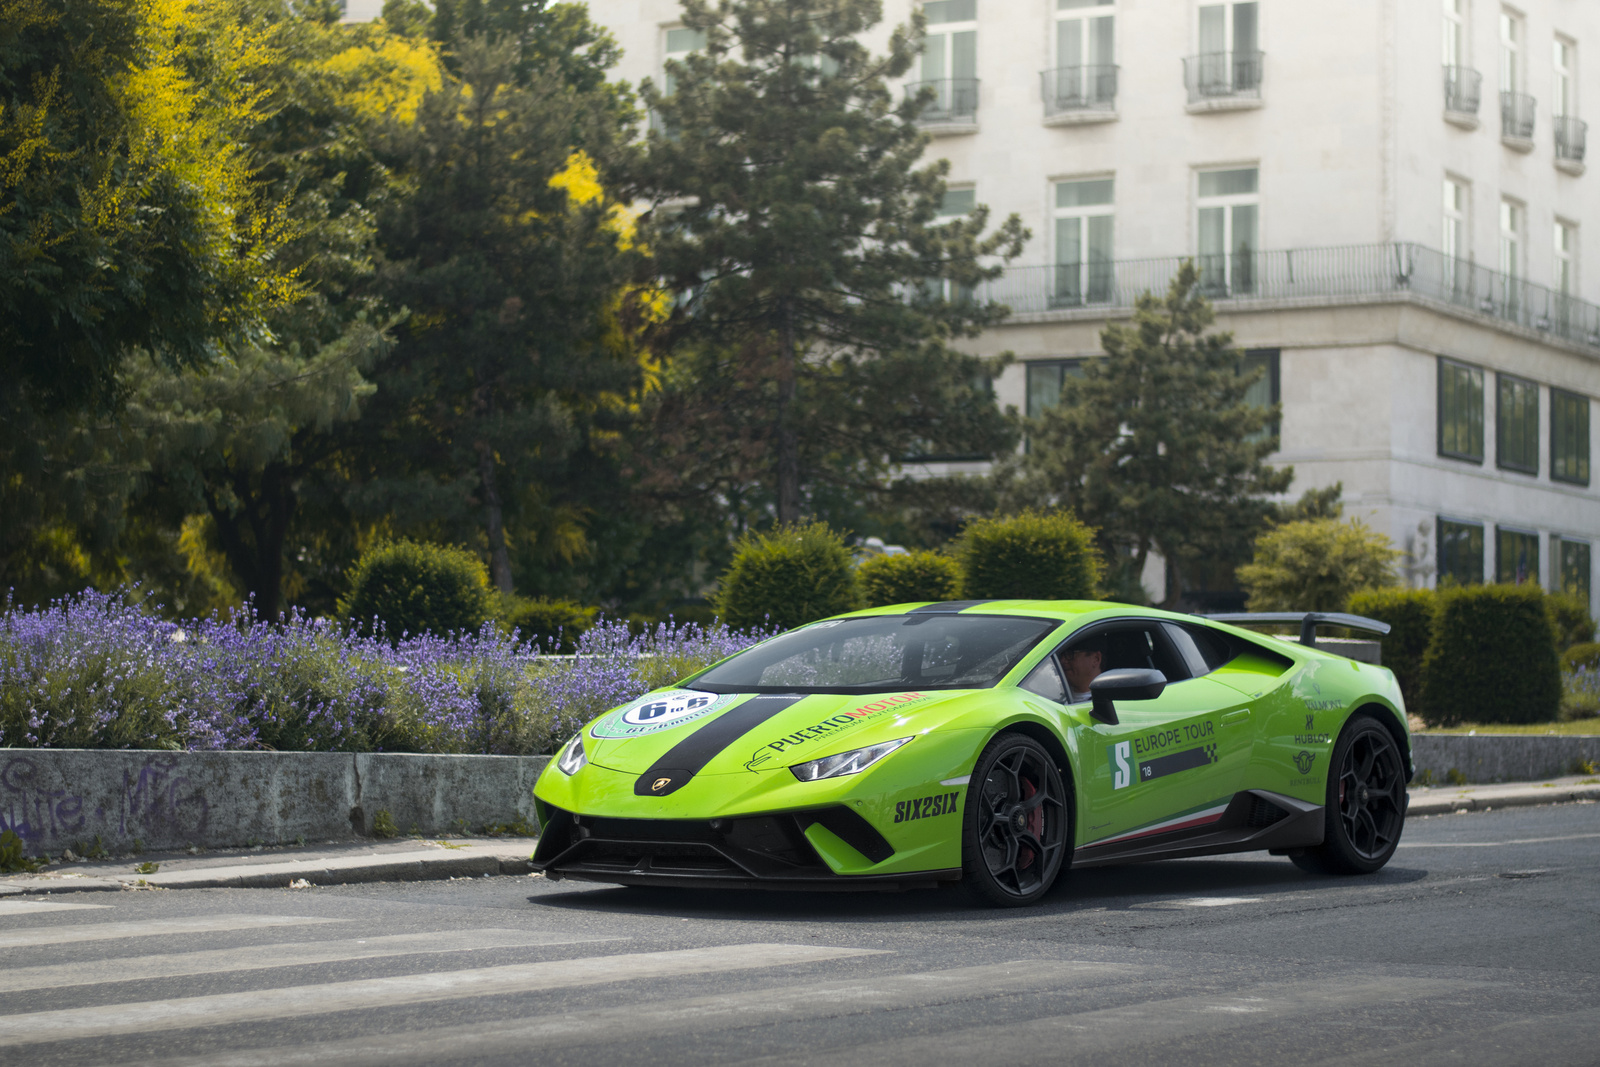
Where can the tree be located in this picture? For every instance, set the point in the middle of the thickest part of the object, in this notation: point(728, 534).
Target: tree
point(518, 358)
point(812, 350)
point(1155, 444)
point(1316, 565)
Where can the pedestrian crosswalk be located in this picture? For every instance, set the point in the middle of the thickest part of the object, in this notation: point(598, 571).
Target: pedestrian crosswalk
point(252, 990)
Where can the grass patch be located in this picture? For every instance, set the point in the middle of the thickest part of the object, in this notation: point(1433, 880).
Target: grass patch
point(1576, 728)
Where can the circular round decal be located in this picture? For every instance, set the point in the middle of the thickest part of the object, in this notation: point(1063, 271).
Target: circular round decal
point(658, 711)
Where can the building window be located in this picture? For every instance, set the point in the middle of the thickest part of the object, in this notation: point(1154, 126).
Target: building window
point(1564, 269)
point(1228, 228)
point(950, 60)
point(1516, 556)
point(1229, 62)
point(1045, 379)
point(1571, 561)
point(1563, 91)
point(1083, 215)
point(1085, 75)
point(1460, 411)
point(1510, 53)
point(679, 43)
point(1569, 437)
point(1511, 214)
point(955, 204)
point(1463, 86)
point(1516, 424)
point(1264, 391)
point(1460, 552)
point(1455, 34)
point(1453, 234)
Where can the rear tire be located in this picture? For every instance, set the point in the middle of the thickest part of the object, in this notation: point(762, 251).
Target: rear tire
point(1365, 807)
point(1016, 830)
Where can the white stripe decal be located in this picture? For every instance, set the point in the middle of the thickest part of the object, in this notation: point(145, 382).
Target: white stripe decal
point(226, 1009)
point(1195, 816)
point(963, 780)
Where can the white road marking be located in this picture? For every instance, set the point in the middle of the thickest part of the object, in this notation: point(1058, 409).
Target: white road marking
point(1496, 844)
point(722, 1012)
point(206, 924)
point(225, 1009)
point(262, 957)
point(24, 907)
point(1199, 902)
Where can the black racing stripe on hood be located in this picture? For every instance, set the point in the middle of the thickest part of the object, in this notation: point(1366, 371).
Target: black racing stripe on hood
point(688, 757)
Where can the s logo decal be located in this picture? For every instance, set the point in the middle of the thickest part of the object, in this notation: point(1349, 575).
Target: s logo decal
point(1121, 768)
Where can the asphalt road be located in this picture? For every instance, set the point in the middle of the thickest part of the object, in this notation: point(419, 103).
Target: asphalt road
point(1479, 944)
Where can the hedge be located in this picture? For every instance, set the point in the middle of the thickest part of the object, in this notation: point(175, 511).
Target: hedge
point(552, 625)
point(908, 578)
point(1031, 556)
point(1570, 617)
point(1492, 658)
point(787, 578)
point(1410, 614)
point(1586, 655)
point(407, 587)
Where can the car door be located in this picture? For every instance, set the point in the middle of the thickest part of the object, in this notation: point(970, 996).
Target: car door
point(1169, 764)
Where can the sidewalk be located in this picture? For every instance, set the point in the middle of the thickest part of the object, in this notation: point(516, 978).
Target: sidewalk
point(333, 863)
point(411, 859)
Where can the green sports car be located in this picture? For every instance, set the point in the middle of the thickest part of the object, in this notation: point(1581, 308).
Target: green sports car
point(990, 742)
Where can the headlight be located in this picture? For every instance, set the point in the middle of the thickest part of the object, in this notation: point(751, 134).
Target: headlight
point(845, 762)
point(572, 758)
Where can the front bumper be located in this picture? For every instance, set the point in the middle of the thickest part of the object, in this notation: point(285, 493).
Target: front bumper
point(774, 851)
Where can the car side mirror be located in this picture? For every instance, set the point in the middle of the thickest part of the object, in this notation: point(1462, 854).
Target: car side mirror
point(1126, 683)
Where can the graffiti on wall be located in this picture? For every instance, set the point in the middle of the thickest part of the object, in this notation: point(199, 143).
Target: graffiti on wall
point(155, 803)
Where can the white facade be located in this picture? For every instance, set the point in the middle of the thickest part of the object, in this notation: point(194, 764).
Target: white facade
point(1353, 212)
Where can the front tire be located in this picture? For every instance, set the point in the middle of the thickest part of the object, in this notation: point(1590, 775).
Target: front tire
point(1365, 807)
point(1017, 826)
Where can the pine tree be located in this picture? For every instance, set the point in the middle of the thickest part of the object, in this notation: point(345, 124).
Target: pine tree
point(1155, 444)
point(813, 348)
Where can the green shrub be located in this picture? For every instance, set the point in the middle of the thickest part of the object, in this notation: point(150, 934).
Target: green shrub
point(1570, 617)
point(908, 578)
point(1585, 655)
point(1031, 556)
point(1409, 613)
point(1492, 658)
point(1315, 565)
point(553, 625)
point(411, 588)
point(786, 578)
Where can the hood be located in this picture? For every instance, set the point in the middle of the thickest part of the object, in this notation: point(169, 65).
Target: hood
point(687, 732)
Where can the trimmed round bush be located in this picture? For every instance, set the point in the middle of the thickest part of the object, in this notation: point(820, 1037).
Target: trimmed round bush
point(1492, 658)
point(787, 578)
point(1316, 564)
point(1032, 556)
point(1409, 613)
point(1586, 656)
point(1570, 616)
point(908, 578)
point(408, 587)
point(553, 625)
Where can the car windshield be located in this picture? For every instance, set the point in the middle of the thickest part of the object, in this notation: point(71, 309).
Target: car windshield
point(882, 652)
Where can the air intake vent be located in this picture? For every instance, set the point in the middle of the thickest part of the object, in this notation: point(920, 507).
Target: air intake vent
point(1263, 813)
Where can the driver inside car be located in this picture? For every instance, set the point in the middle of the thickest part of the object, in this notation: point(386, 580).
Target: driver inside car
point(1082, 664)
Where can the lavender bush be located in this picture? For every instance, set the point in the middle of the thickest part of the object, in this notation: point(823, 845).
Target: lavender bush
point(95, 671)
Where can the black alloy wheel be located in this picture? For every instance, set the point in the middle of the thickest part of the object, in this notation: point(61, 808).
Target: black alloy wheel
point(1366, 802)
point(1017, 823)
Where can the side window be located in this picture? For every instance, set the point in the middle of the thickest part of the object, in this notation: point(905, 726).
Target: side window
point(1202, 650)
point(1141, 647)
point(1045, 679)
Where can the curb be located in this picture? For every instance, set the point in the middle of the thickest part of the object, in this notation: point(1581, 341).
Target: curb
point(1522, 798)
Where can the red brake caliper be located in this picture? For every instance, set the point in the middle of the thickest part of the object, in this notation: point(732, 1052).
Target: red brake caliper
point(1035, 825)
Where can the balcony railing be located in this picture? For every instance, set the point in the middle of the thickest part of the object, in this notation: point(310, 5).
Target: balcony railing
point(1572, 138)
point(1350, 274)
point(954, 103)
point(1071, 89)
point(1516, 116)
point(1463, 88)
point(1223, 76)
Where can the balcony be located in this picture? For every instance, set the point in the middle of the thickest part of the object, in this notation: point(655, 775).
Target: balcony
point(1316, 276)
point(1463, 89)
point(1516, 121)
point(1074, 95)
point(1572, 138)
point(952, 105)
point(1223, 81)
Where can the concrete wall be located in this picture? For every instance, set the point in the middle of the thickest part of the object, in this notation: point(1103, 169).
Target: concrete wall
point(1502, 757)
point(55, 798)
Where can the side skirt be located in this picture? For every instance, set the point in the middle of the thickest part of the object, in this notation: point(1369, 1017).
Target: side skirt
point(1255, 819)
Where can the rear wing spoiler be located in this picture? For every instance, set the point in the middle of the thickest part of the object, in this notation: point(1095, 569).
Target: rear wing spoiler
point(1308, 621)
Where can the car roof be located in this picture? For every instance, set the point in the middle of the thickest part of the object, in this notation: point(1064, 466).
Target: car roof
point(1059, 610)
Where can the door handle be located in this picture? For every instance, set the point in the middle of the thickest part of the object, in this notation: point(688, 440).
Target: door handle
point(1235, 716)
